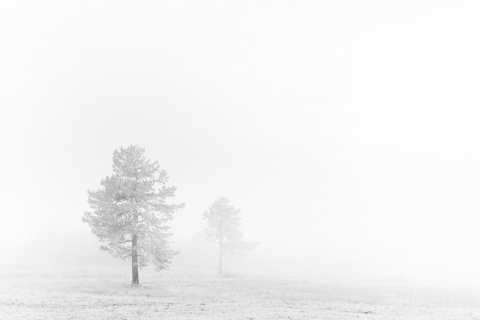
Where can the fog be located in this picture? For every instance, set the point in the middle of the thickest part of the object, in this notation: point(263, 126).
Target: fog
point(347, 132)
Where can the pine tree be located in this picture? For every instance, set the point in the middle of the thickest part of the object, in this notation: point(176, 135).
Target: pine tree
point(129, 214)
point(223, 228)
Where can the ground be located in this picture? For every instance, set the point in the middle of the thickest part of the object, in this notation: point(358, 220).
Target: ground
point(105, 293)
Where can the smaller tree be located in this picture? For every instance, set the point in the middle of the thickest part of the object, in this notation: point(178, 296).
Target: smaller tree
point(223, 228)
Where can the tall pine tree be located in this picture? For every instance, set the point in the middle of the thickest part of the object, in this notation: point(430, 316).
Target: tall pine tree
point(129, 213)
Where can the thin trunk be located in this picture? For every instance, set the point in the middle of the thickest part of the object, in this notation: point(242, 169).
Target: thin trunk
point(135, 279)
point(221, 246)
point(220, 259)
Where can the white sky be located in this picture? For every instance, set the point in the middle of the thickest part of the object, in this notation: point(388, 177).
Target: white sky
point(346, 131)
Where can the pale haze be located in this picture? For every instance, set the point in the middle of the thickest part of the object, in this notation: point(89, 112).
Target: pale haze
point(346, 131)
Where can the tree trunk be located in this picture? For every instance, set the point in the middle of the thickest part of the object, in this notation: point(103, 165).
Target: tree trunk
point(220, 259)
point(135, 279)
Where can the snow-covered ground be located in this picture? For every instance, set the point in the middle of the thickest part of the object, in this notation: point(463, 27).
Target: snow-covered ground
point(105, 293)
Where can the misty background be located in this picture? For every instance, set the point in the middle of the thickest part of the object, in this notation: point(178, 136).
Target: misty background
point(347, 132)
